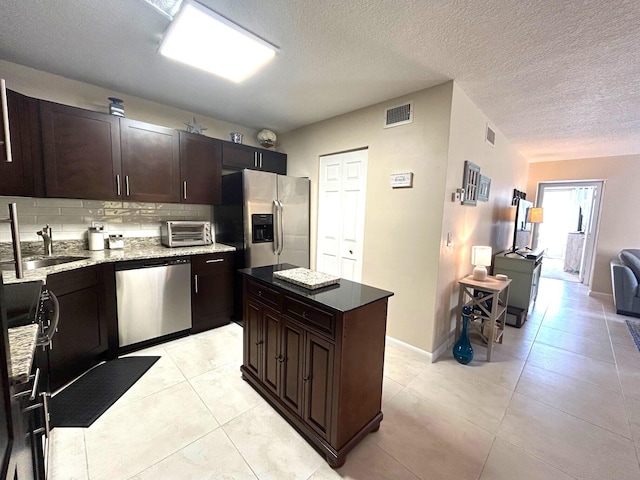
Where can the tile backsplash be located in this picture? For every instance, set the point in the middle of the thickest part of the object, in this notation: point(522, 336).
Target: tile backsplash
point(69, 219)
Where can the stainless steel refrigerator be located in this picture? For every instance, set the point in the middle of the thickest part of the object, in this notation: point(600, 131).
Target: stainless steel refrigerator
point(266, 217)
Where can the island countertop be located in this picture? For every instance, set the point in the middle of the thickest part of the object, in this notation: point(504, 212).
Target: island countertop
point(342, 297)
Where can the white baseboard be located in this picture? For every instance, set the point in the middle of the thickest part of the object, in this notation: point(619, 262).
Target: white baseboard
point(446, 345)
point(428, 356)
point(601, 295)
point(399, 343)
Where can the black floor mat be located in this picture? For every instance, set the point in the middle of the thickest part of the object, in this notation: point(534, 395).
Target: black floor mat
point(82, 402)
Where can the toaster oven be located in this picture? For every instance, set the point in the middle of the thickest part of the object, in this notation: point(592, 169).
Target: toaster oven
point(184, 233)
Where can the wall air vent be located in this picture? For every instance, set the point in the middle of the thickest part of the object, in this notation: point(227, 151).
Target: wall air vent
point(399, 115)
point(490, 137)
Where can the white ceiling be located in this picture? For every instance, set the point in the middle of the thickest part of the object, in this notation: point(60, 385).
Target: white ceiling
point(560, 78)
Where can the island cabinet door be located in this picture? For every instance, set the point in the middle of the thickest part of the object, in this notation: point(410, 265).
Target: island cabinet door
point(253, 337)
point(292, 362)
point(318, 384)
point(272, 355)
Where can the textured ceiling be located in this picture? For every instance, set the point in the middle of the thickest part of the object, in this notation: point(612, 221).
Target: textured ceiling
point(559, 78)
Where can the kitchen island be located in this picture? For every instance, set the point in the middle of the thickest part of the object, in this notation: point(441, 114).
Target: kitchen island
point(316, 356)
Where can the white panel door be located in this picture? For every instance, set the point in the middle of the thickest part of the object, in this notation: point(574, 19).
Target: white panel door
point(341, 209)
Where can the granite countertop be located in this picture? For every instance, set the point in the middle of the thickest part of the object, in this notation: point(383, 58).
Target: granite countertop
point(22, 344)
point(135, 252)
point(306, 278)
point(342, 297)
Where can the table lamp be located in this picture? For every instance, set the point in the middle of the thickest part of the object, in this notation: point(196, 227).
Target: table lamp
point(535, 215)
point(481, 258)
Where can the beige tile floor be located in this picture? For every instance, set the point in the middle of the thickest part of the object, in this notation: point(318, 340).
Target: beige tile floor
point(561, 400)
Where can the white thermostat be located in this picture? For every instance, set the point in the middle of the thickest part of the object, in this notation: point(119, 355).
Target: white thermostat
point(401, 180)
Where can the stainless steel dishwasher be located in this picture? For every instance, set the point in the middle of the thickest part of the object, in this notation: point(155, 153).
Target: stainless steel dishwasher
point(154, 298)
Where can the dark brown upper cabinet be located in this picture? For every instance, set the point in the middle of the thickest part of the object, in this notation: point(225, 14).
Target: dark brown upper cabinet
point(237, 156)
point(200, 169)
point(23, 175)
point(150, 162)
point(81, 152)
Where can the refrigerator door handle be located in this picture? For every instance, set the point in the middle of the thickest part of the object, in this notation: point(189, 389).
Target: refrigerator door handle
point(280, 228)
point(276, 226)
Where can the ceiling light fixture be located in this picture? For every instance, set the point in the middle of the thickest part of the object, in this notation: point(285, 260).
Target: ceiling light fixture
point(168, 8)
point(203, 39)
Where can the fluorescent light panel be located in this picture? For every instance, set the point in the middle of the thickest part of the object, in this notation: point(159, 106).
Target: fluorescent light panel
point(203, 39)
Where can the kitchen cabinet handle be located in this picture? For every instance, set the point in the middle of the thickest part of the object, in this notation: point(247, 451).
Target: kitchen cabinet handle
point(5, 120)
point(34, 390)
point(215, 260)
point(118, 184)
point(195, 279)
point(259, 342)
point(184, 185)
point(35, 406)
point(259, 293)
point(47, 419)
point(126, 184)
point(260, 159)
point(255, 159)
point(306, 377)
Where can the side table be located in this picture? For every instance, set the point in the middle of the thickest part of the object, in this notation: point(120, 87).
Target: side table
point(488, 300)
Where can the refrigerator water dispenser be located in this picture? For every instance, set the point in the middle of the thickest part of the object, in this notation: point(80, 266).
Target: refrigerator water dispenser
point(262, 227)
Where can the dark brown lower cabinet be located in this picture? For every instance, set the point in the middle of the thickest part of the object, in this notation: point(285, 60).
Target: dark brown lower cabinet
point(81, 341)
point(320, 369)
point(212, 290)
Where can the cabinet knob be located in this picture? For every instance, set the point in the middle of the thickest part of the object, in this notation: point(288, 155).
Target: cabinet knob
point(306, 377)
point(259, 293)
point(259, 342)
point(304, 314)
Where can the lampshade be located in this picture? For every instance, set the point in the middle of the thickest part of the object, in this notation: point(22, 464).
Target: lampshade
point(535, 215)
point(481, 258)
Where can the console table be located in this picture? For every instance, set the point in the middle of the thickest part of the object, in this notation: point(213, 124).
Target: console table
point(524, 269)
point(488, 300)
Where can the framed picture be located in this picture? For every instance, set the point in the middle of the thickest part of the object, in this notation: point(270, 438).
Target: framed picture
point(470, 183)
point(483, 188)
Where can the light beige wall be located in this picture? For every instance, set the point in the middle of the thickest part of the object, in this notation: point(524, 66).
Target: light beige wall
point(488, 223)
point(46, 86)
point(402, 226)
point(619, 227)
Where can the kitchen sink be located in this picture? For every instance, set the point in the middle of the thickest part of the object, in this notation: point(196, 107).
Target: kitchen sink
point(42, 262)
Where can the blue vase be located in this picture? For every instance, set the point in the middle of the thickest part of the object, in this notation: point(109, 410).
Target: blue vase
point(462, 350)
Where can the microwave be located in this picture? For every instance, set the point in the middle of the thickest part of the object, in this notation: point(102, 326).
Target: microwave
point(184, 233)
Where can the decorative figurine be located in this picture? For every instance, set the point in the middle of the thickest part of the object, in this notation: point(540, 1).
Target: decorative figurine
point(194, 127)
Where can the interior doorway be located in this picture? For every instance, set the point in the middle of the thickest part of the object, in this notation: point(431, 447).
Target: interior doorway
point(570, 228)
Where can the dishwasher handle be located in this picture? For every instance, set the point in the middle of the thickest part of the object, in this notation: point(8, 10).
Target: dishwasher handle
point(152, 265)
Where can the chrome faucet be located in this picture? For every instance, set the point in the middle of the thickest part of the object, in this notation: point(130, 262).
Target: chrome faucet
point(45, 233)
